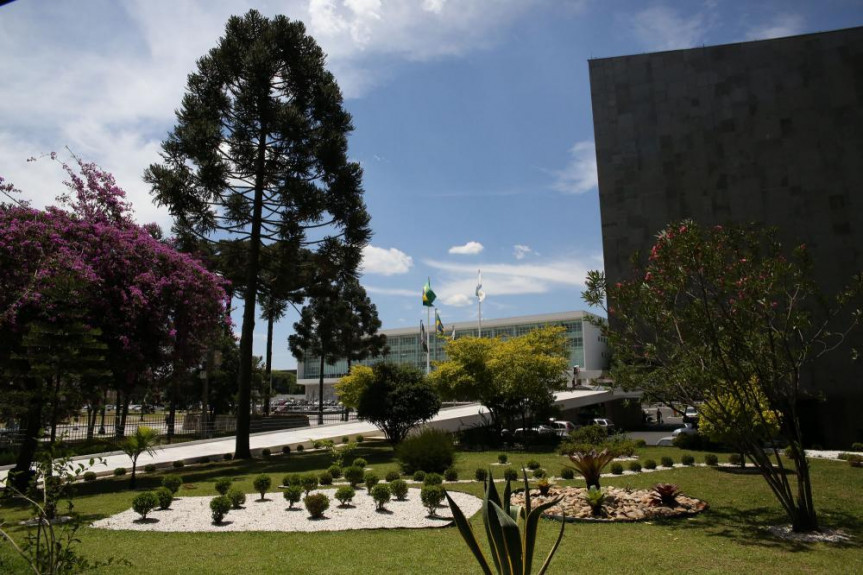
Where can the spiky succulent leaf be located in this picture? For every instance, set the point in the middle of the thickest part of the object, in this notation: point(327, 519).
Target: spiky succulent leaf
point(468, 535)
point(511, 537)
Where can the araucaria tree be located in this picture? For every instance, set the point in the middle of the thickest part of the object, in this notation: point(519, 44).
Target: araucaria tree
point(726, 316)
point(260, 152)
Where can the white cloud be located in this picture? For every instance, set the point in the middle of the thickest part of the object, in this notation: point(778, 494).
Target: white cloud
point(385, 261)
point(520, 251)
point(470, 248)
point(579, 175)
point(781, 25)
point(662, 28)
point(393, 291)
point(458, 300)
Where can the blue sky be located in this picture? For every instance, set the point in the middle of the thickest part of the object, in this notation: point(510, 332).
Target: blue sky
point(472, 121)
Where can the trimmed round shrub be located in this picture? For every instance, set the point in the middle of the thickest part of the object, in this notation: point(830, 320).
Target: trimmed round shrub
point(318, 444)
point(223, 485)
point(345, 494)
point(392, 476)
point(144, 502)
point(360, 438)
point(433, 479)
point(480, 474)
point(262, 484)
point(346, 439)
point(165, 497)
point(286, 449)
point(431, 496)
point(335, 471)
point(857, 446)
point(119, 472)
point(300, 449)
point(228, 456)
point(510, 474)
point(370, 481)
point(667, 461)
point(634, 466)
point(292, 494)
point(149, 468)
point(309, 482)
point(450, 474)
point(533, 464)
point(399, 488)
point(381, 494)
point(178, 464)
point(431, 450)
point(89, 476)
point(687, 459)
point(316, 504)
point(219, 507)
point(539, 473)
point(502, 458)
point(640, 443)
point(616, 468)
point(567, 473)
point(360, 462)
point(354, 475)
point(266, 453)
point(293, 479)
point(237, 497)
point(419, 475)
point(172, 482)
point(735, 459)
point(204, 460)
point(649, 464)
point(325, 478)
point(711, 459)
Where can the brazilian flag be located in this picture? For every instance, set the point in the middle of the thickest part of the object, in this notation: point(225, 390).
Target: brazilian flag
point(428, 295)
point(438, 324)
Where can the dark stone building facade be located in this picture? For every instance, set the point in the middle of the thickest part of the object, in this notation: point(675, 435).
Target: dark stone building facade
point(769, 132)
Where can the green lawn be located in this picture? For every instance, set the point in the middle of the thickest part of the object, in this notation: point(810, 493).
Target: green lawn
point(727, 538)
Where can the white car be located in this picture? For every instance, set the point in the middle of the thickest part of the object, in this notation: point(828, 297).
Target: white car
point(563, 428)
point(687, 429)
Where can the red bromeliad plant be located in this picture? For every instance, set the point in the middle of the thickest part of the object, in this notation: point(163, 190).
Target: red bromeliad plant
point(590, 464)
point(665, 494)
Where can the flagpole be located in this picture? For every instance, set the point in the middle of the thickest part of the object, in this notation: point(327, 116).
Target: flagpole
point(479, 303)
point(428, 340)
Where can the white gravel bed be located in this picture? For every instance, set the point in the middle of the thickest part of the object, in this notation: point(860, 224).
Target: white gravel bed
point(191, 514)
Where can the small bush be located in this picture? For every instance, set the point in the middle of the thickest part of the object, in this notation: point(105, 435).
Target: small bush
point(178, 464)
point(203, 460)
point(381, 494)
point(736, 459)
point(370, 480)
point(144, 502)
point(533, 464)
point(502, 458)
point(419, 475)
point(616, 468)
point(293, 479)
point(857, 446)
point(237, 497)
point(335, 471)
point(649, 464)
point(510, 473)
point(431, 450)
point(318, 444)
point(855, 461)
point(711, 460)
point(316, 504)
point(219, 507)
point(667, 461)
point(262, 484)
point(567, 473)
point(433, 479)
point(89, 476)
point(399, 488)
point(293, 494)
point(687, 460)
point(286, 449)
point(450, 474)
point(119, 472)
point(354, 475)
point(300, 449)
point(346, 439)
point(360, 462)
point(149, 468)
point(172, 482)
point(165, 497)
point(844, 456)
point(360, 438)
point(480, 474)
point(431, 496)
point(227, 456)
point(634, 466)
point(266, 453)
point(345, 494)
point(223, 485)
point(325, 478)
point(640, 444)
point(309, 482)
point(392, 476)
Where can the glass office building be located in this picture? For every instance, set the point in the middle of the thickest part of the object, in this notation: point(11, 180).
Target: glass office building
point(587, 346)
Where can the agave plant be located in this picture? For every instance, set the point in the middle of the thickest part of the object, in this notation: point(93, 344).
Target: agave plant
point(665, 494)
point(595, 498)
point(590, 464)
point(510, 529)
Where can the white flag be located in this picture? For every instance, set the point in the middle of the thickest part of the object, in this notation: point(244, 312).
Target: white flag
point(479, 293)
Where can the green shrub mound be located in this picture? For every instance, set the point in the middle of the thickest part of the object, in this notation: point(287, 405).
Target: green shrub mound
point(634, 466)
point(346, 439)
point(237, 497)
point(502, 458)
point(300, 449)
point(325, 478)
point(119, 472)
point(309, 482)
point(640, 443)
point(399, 489)
point(292, 494)
point(262, 484)
point(688, 460)
point(219, 507)
point(419, 475)
point(392, 476)
point(293, 479)
point(286, 449)
point(335, 471)
point(567, 473)
point(539, 473)
point(616, 468)
point(450, 474)
point(433, 479)
point(266, 453)
point(667, 461)
point(360, 462)
point(145, 502)
point(89, 476)
point(165, 497)
point(431, 497)
point(345, 494)
point(360, 438)
point(711, 460)
point(370, 480)
point(510, 474)
point(172, 482)
point(736, 459)
point(178, 464)
point(223, 485)
point(318, 444)
point(381, 493)
point(316, 504)
point(354, 475)
point(533, 464)
point(857, 446)
point(649, 464)
point(430, 450)
point(480, 474)
point(149, 468)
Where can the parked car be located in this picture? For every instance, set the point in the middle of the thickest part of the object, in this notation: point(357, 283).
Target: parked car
point(665, 441)
point(690, 415)
point(522, 432)
point(605, 423)
point(562, 427)
point(687, 429)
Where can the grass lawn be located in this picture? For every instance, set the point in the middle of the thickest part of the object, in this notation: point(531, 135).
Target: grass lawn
point(727, 538)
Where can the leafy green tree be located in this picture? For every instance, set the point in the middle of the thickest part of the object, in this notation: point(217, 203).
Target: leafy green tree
point(514, 379)
point(724, 315)
point(397, 399)
point(350, 388)
point(260, 152)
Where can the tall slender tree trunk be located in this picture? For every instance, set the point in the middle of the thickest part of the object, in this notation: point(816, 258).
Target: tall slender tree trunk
point(268, 383)
point(321, 393)
point(20, 475)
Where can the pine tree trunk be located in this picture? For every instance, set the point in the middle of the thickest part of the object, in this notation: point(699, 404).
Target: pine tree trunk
point(268, 376)
point(19, 476)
